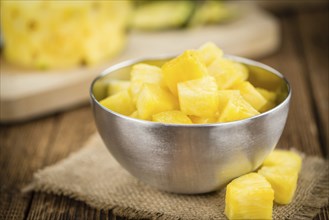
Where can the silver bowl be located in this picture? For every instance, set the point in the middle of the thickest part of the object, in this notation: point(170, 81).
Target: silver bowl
point(191, 159)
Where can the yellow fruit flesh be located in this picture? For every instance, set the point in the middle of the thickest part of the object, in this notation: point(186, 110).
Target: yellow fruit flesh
point(284, 158)
point(236, 109)
point(116, 86)
point(270, 99)
point(183, 68)
point(209, 52)
point(144, 73)
point(154, 99)
point(199, 97)
point(120, 102)
point(249, 197)
point(202, 120)
point(283, 181)
point(172, 117)
point(251, 95)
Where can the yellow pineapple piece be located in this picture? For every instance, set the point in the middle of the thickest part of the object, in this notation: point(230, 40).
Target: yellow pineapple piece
point(185, 67)
point(283, 181)
point(144, 73)
point(209, 52)
point(134, 114)
point(116, 86)
point(172, 117)
point(227, 73)
point(154, 99)
point(285, 158)
point(237, 108)
point(224, 96)
point(202, 120)
point(199, 97)
point(249, 197)
point(251, 95)
point(270, 98)
point(120, 102)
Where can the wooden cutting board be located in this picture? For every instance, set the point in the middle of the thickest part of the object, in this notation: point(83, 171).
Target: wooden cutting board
point(27, 94)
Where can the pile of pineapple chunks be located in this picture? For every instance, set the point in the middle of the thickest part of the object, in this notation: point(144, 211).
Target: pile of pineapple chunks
point(251, 196)
point(197, 87)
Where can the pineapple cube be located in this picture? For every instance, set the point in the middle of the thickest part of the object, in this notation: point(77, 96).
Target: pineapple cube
point(116, 86)
point(209, 52)
point(144, 73)
point(154, 99)
point(224, 96)
point(270, 98)
point(288, 159)
point(249, 93)
point(249, 197)
point(120, 102)
point(172, 117)
point(202, 120)
point(236, 109)
point(134, 114)
point(183, 68)
point(283, 181)
point(199, 97)
point(227, 73)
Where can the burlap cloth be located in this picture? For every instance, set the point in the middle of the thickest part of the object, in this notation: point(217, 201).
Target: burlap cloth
point(93, 176)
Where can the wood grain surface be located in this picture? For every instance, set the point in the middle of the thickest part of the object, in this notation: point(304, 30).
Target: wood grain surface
point(29, 146)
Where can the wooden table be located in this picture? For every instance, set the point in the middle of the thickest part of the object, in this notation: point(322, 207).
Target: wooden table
point(29, 146)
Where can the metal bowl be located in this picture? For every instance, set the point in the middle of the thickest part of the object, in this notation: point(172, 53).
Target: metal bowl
point(191, 159)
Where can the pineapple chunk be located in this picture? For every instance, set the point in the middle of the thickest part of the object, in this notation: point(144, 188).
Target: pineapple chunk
point(144, 73)
point(227, 73)
point(116, 86)
point(270, 98)
point(202, 120)
point(288, 159)
point(134, 114)
point(249, 93)
point(249, 197)
point(172, 117)
point(183, 68)
point(154, 99)
point(236, 109)
point(199, 97)
point(224, 96)
point(283, 181)
point(120, 102)
point(209, 52)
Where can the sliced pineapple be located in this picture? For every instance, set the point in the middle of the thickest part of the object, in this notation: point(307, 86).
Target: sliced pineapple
point(249, 197)
point(116, 86)
point(227, 73)
point(224, 96)
point(154, 99)
point(134, 114)
point(120, 102)
point(199, 97)
point(283, 181)
point(251, 95)
point(237, 108)
point(202, 120)
point(209, 52)
point(172, 117)
point(284, 158)
point(183, 68)
point(144, 73)
point(270, 98)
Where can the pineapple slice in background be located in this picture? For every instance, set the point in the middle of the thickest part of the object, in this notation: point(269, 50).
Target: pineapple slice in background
point(249, 197)
point(236, 109)
point(209, 52)
point(283, 181)
point(144, 73)
point(284, 158)
point(172, 117)
point(62, 34)
point(199, 97)
point(154, 99)
point(120, 102)
point(116, 85)
point(186, 66)
point(251, 95)
point(227, 73)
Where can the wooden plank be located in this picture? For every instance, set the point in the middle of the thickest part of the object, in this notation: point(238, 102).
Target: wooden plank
point(301, 131)
point(314, 36)
point(22, 148)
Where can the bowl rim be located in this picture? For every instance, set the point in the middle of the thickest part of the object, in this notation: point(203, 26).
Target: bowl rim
point(239, 59)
